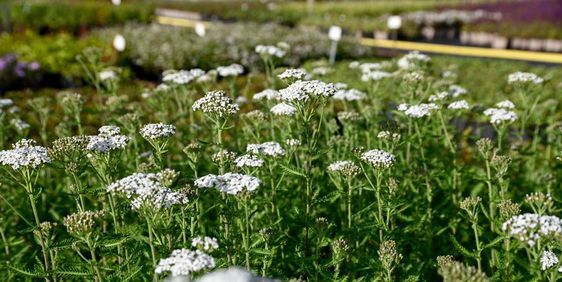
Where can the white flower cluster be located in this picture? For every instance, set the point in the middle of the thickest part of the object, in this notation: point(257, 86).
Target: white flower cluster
point(267, 94)
point(523, 78)
point(107, 75)
point(378, 158)
point(548, 260)
point(438, 96)
point(230, 183)
point(248, 161)
point(283, 109)
point(153, 131)
point(293, 142)
point(147, 190)
point(412, 59)
point(19, 124)
point(232, 70)
point(349, 95)
point(387, 135)
point(505, 104)
point(216, 103)
point(182, 76)
point(183, 262)
point(459, 105)
point(418, 111)
point(207, 244)
point(374, 75)
point(271, 149)
point(498, 115)
point(456, 91)
point(293, 74)
point(305, 90)
point(6, 102)
point(347, 168)
point(321, 71)
point(108, 139)
point(270, 50)
point(530, 228)
point(25, 154)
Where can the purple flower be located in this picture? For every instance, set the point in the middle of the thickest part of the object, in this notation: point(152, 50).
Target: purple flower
point(19, 70)
point(34, 66)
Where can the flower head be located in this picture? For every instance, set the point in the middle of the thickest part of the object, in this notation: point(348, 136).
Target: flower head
point(25, 154)
point(216, 103)
point(378, 158)
point(153, 131)
point(529, 228)
point(524, 78)
point(231, 70)
point(283, 109)
point(305, 90)
point(207, 244)
point(183, 262)
point(271, 149)
point(230, 183)
point(459, 105)
point(347, 168)
point(499, 116)
point(293, 74)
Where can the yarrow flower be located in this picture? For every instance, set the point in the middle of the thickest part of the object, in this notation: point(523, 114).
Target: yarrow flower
point(157, 131)
point(248, 161)
point(270, 50)
point(182, 76)
point(267, 94)
point(148, 190)
point(305, 90)
point(418, 111)
point(375, 75)
point(347, 168)
point(207, 244)
point(25, 154)
point(107, 75)
point(349, 95)
point(232, 70)
point(498, 116)
point(283, 109)
point(439, 96)
point(271, 149)
point(524, 78)
point(293, 74)
point(378, 158)
point(412, 59)
point(183, 262)
point(548, 260)
point(107, 140)
point(459, 105)
point(230, 183)
point(529, 228)
point(81, 222)
point(216, 103)
point(505, 104)
point(293, 142)
point(456, 91)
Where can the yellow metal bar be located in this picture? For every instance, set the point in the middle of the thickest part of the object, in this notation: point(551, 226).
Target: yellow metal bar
point(179, 22)
point(466, 51)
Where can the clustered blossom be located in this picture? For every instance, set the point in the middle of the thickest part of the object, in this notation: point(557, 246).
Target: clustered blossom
point(293, 74)
point(418, 111)
point(216, 103)
point(305, 90)
point(459, 105)
point(271, 149)
point(367, 67)
point(230, 183)
point(524, 77)
point(107, 75)
point(81, 222)
point(25, 154)
point(412, 59)
point(267, 94)
point(183, 262)
point(456, 91)
point(347, 168)
point(505, 104)
point(283, 109)
point(498, 116)
point(232, 70)
point(270, 50)
point(375, 75)
point(182, 76)
point(153, 131)
point(248, 161)
point(378, 158)
point(321, 71)
point(385, 135)
point(148, 190)
point(108, 139)
point(349, 95)
point(548, 260)
point(529, 228)
point(439, 96)
point(6, 102)
point(207, 244)
point(293, 142)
